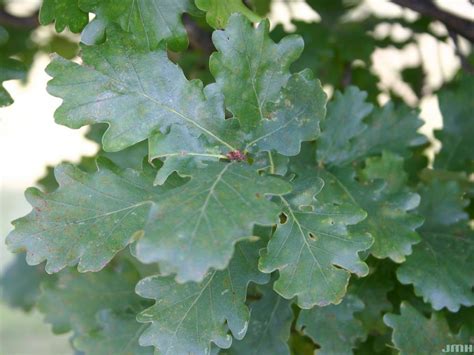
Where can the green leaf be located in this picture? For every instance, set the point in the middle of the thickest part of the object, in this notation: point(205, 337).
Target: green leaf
point(118, 334)
point(463, 322)
point(313, 249)
point(262, 7)
point(119, 82)
point(180, 153)
point(10, 69)
point(353, 130)
point(250, 69)
point(344, 121)
point(151, 21)
point(440, 266)
point(334, 327)
point(271, 163)
point(63, 13)
point(20, 284)
point(206, 217)
point(87, 220)
point(389, 128)
point(388, 204)
point(456, 106)
point(388, 167)
point(73, 302)
point(415, 77)
point(338, 50)
point(187, 317)
point(129, 158)
point(218, 11)
point(373, 291)
point(414, 334)
point(294, 118)
point(389, 218)
point(269, 327)
point(331, 9)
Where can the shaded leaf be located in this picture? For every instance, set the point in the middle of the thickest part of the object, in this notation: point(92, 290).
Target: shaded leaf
point(414, 334)
point(73, 302)
point(269, 327)
point(390, 128)
point(262, 7)
point(416, 78)
point(388, 167)
point(20, 284)
point(353, 130)
point(344, 121)
point(218, 11)
point(389, 218)
point(440, 266)
point(334, 327)
point(187, 317)
point(373, 290)
point(456, 106)
point(118, 334)
point(10, 69)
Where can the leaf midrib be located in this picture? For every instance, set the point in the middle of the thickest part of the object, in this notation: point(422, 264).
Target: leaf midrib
point(142, 93)
point(290, 210)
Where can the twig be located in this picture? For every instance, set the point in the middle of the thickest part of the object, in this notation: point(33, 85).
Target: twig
point(459, 25)
point(7, 19)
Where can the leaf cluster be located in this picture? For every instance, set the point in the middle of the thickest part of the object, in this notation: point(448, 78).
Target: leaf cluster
point(252, 214)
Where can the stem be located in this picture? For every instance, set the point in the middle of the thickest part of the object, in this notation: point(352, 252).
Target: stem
point(461, 26)
point(183, 154)
point(272, 164)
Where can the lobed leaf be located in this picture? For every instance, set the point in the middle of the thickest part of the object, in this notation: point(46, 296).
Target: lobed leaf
point(10, 69)
point(440, 266)
point(373, 292)
point(250, 69)
point(334, 327)
point(117, 334)
point(269, 326)
point(218, 12)
point(186, 318)
point(313, 248)
point(87, 220)
point(344, 121)
point(456, 107)
point(354, 130)
point(64, 13)
point(390, 128)
point(389, 205)
point(294, 118)
point(206, 217)
point(151, 21)
point(73, 302)
point(120, 82)
point(20, 284)
point(414, 334)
